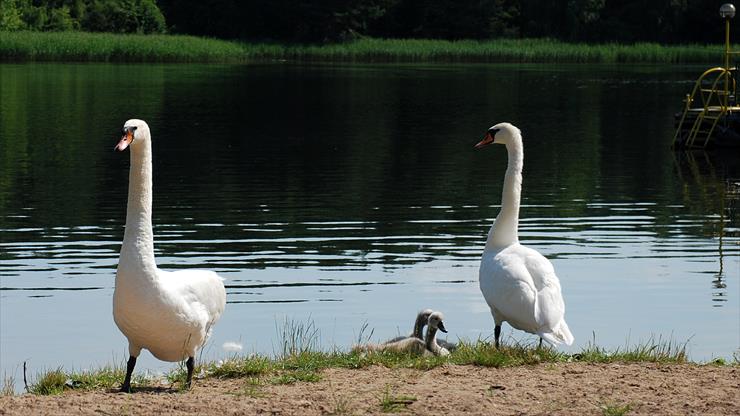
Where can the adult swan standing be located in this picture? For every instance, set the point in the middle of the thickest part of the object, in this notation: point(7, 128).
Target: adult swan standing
point(171, 314)
point(519, 283)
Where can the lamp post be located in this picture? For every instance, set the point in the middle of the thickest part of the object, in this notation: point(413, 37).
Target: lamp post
point(727, 12)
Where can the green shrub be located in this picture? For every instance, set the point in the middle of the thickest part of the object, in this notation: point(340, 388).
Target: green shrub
point(124, 16)
point(10, 15)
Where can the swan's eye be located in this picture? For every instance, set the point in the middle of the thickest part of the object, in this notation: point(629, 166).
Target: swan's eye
point(129, 130)
point(493, 132)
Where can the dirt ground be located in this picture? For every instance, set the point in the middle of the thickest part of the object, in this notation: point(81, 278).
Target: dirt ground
point(574, 389)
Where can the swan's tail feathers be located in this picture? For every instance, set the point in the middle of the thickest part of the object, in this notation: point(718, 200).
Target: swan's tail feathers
point(559, 335)
point(565, 333)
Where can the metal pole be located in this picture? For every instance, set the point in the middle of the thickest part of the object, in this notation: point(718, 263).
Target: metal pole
point(727, 43)
point(727, 62)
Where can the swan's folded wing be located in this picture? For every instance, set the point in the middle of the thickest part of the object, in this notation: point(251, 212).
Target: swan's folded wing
point(200, 290)
point(549, 307)
point(507, 285)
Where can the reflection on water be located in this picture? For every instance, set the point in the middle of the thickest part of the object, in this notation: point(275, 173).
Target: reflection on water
point(352, 194)
point(716, 184)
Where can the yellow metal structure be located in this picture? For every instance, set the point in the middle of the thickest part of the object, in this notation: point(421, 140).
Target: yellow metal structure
point(712, 95)
point(710, 102)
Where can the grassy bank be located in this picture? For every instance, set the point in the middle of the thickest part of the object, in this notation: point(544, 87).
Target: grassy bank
point(305, 365)
point(107, 47)
point(493, 51)
point(103, 47)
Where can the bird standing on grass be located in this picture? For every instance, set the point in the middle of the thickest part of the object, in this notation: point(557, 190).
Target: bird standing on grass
point(518, 283)
point(171, 314)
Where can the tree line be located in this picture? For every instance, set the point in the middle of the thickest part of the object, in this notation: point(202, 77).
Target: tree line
point(665, 21)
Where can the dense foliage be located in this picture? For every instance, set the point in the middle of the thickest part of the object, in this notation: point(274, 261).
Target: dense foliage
point(116, 16)
point(665, 21)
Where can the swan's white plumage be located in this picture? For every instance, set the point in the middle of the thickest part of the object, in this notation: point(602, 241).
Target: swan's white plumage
point(171, 314)
point(518, 283)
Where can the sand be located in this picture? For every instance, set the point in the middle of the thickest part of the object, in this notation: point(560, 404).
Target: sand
point(567, 389)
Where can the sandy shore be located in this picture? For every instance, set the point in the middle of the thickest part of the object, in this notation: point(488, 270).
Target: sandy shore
point(572, 388)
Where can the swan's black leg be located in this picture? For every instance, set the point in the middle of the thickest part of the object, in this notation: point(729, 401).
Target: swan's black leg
point(191, 366)
point(540, 346)
point(126, 387)
point(496, 334)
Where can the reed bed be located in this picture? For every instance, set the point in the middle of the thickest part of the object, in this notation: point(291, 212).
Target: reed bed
point(490, 51)
point(105, 47)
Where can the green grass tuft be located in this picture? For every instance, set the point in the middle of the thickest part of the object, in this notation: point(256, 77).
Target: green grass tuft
point(294, 376)
point(297, 338)
point(107, 377)
point(342, 405)
point(485, 354)
point(612, 409)
point(252, 388)
point(8, 387)
point(390, 402)
point(50, 383)
point(236, 367)
point(57, 380)
point(666, 352)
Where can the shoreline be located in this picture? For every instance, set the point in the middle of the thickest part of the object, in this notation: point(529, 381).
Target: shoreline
point(18, 47)
point(546, 388)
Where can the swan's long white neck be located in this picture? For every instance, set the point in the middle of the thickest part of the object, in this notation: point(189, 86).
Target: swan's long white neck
point(137, 251)
point(504, 230)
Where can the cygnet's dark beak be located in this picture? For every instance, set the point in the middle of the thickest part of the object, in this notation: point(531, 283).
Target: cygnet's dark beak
point(488, 139)
point(441, 327)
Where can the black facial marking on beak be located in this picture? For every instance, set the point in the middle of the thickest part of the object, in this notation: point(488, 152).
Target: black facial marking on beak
point(493, 132)
point(131, 129)
point(441, 327)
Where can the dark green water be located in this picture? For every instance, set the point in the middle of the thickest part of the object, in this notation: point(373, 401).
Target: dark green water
point(352, 194)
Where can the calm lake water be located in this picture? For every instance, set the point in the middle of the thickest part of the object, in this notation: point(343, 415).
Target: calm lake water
point(344, 195)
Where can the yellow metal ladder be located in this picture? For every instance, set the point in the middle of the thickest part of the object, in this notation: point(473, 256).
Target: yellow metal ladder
point(714, 87)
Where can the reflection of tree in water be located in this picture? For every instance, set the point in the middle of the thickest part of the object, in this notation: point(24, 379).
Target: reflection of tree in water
point(716, 188)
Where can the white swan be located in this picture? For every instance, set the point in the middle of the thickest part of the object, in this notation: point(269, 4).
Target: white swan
point(171, 314)
point(518, 283)
point(426, 347)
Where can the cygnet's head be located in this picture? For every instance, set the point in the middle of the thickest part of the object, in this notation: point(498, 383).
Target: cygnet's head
point(134, 131)
point(501, 133)
point(424, 315)
point(435, 321)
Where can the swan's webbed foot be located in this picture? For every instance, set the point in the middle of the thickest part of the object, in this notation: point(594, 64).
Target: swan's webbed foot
point(126, 387)
point(496, 334)
point(190, 363)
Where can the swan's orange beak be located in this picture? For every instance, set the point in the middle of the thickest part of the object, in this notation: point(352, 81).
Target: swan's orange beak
point(128, 137)
point(485, 142)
